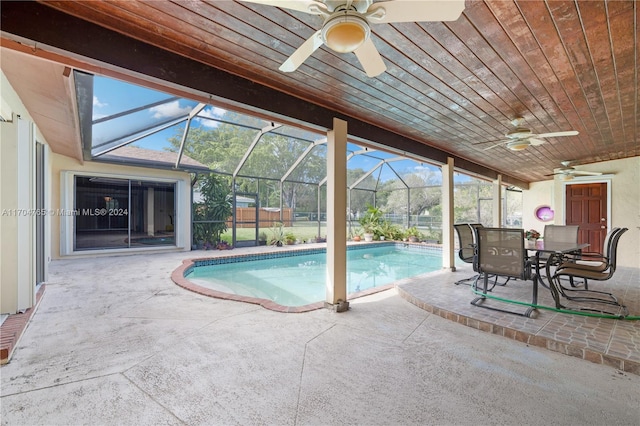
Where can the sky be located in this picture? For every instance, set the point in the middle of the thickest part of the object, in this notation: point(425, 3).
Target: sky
point(114, 96)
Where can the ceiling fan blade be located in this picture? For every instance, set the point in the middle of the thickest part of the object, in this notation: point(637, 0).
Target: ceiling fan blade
point(554, 134)
point(535, 142)
point(370, 59)
point(493, 146)
point(578, 172)
point(302, 53)
point(307, 6)
point(483, 142)
point(415, 11)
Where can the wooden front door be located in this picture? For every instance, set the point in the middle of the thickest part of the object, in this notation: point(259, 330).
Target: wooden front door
point(587, 207)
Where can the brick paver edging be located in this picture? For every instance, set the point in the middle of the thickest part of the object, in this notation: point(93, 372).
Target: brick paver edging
point(13, 327)
point(528, 338)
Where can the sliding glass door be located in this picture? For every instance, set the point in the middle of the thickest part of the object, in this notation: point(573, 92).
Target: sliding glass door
point(115, 213)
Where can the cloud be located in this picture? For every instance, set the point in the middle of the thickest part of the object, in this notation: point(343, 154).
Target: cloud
point(171, 109)
point(210, 112)
point(97, 103)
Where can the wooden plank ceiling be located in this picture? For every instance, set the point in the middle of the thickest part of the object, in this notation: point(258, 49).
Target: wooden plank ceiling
point(455, 86)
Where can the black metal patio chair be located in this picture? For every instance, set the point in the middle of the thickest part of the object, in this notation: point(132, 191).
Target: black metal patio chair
point(467, 251)
point(558, 234)
point(598, 267)
point(501, 252)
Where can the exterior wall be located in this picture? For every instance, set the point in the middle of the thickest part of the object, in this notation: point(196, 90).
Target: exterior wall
point(63, 170)
point(17, 204)
point(623, 176)
point(17, 194)
point(17, 229)
point(539, 193)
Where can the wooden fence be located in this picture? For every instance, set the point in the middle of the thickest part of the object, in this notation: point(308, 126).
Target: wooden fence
point(266, 217)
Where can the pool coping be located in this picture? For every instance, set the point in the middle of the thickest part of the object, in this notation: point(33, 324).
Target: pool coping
point(178, 275)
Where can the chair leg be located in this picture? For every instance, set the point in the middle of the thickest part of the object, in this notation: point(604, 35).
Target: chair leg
point(467, 281)
point(596, 296)
point(471, 281)
point(482, 298)
point(579, 283)
point(589, 296)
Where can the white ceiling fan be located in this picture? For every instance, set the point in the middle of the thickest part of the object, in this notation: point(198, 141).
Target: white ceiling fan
point(521, 137)
point(346, 26)
point(569, 172)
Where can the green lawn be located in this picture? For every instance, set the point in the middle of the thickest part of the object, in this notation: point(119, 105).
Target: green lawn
point(302, 232)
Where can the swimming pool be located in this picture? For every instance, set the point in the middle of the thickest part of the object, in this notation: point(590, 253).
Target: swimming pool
point(297, 278)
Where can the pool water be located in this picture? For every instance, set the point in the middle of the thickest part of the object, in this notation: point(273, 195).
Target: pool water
point(300, 280)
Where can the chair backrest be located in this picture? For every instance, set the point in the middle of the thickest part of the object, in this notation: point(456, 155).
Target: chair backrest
point(474, 227)
point(613, 249)
point(466, 241)
point(561, 233)
point(501, 252)
point(606, 245)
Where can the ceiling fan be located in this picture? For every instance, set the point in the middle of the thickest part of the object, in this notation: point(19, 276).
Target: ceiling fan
point(569, 172)
point(521, 137)
point(346, 26)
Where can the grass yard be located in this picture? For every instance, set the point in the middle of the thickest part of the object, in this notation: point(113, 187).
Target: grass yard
point(302, 232)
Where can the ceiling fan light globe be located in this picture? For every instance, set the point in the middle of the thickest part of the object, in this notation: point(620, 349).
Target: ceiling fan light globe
point(345, 33)
point(517, 145)
point(518, 132)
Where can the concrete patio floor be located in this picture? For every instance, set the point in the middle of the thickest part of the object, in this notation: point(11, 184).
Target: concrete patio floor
point(115, 341)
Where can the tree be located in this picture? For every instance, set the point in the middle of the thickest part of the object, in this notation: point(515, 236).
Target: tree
point(274, 155)
point(220, 148)
point(360, 197)
point(223, 147)
point(472, 200)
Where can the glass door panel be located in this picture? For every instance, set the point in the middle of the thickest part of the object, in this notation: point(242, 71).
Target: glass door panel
point(123, 213)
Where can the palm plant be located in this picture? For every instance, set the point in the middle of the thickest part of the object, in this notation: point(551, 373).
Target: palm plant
point(371, 220)
point(277, 237)
point(210, 216)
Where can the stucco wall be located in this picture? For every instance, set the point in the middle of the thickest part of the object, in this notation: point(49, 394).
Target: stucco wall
point(624, 176)
point(17, 202)
point(61, 165)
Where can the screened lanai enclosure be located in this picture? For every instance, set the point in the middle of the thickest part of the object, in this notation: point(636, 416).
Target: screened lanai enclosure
point(256, 181)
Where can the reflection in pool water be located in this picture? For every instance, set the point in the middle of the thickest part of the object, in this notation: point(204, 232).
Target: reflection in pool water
point(155, 240)
point(300, 280)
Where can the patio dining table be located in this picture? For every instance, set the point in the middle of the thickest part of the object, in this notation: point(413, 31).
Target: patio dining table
point(555, 250)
